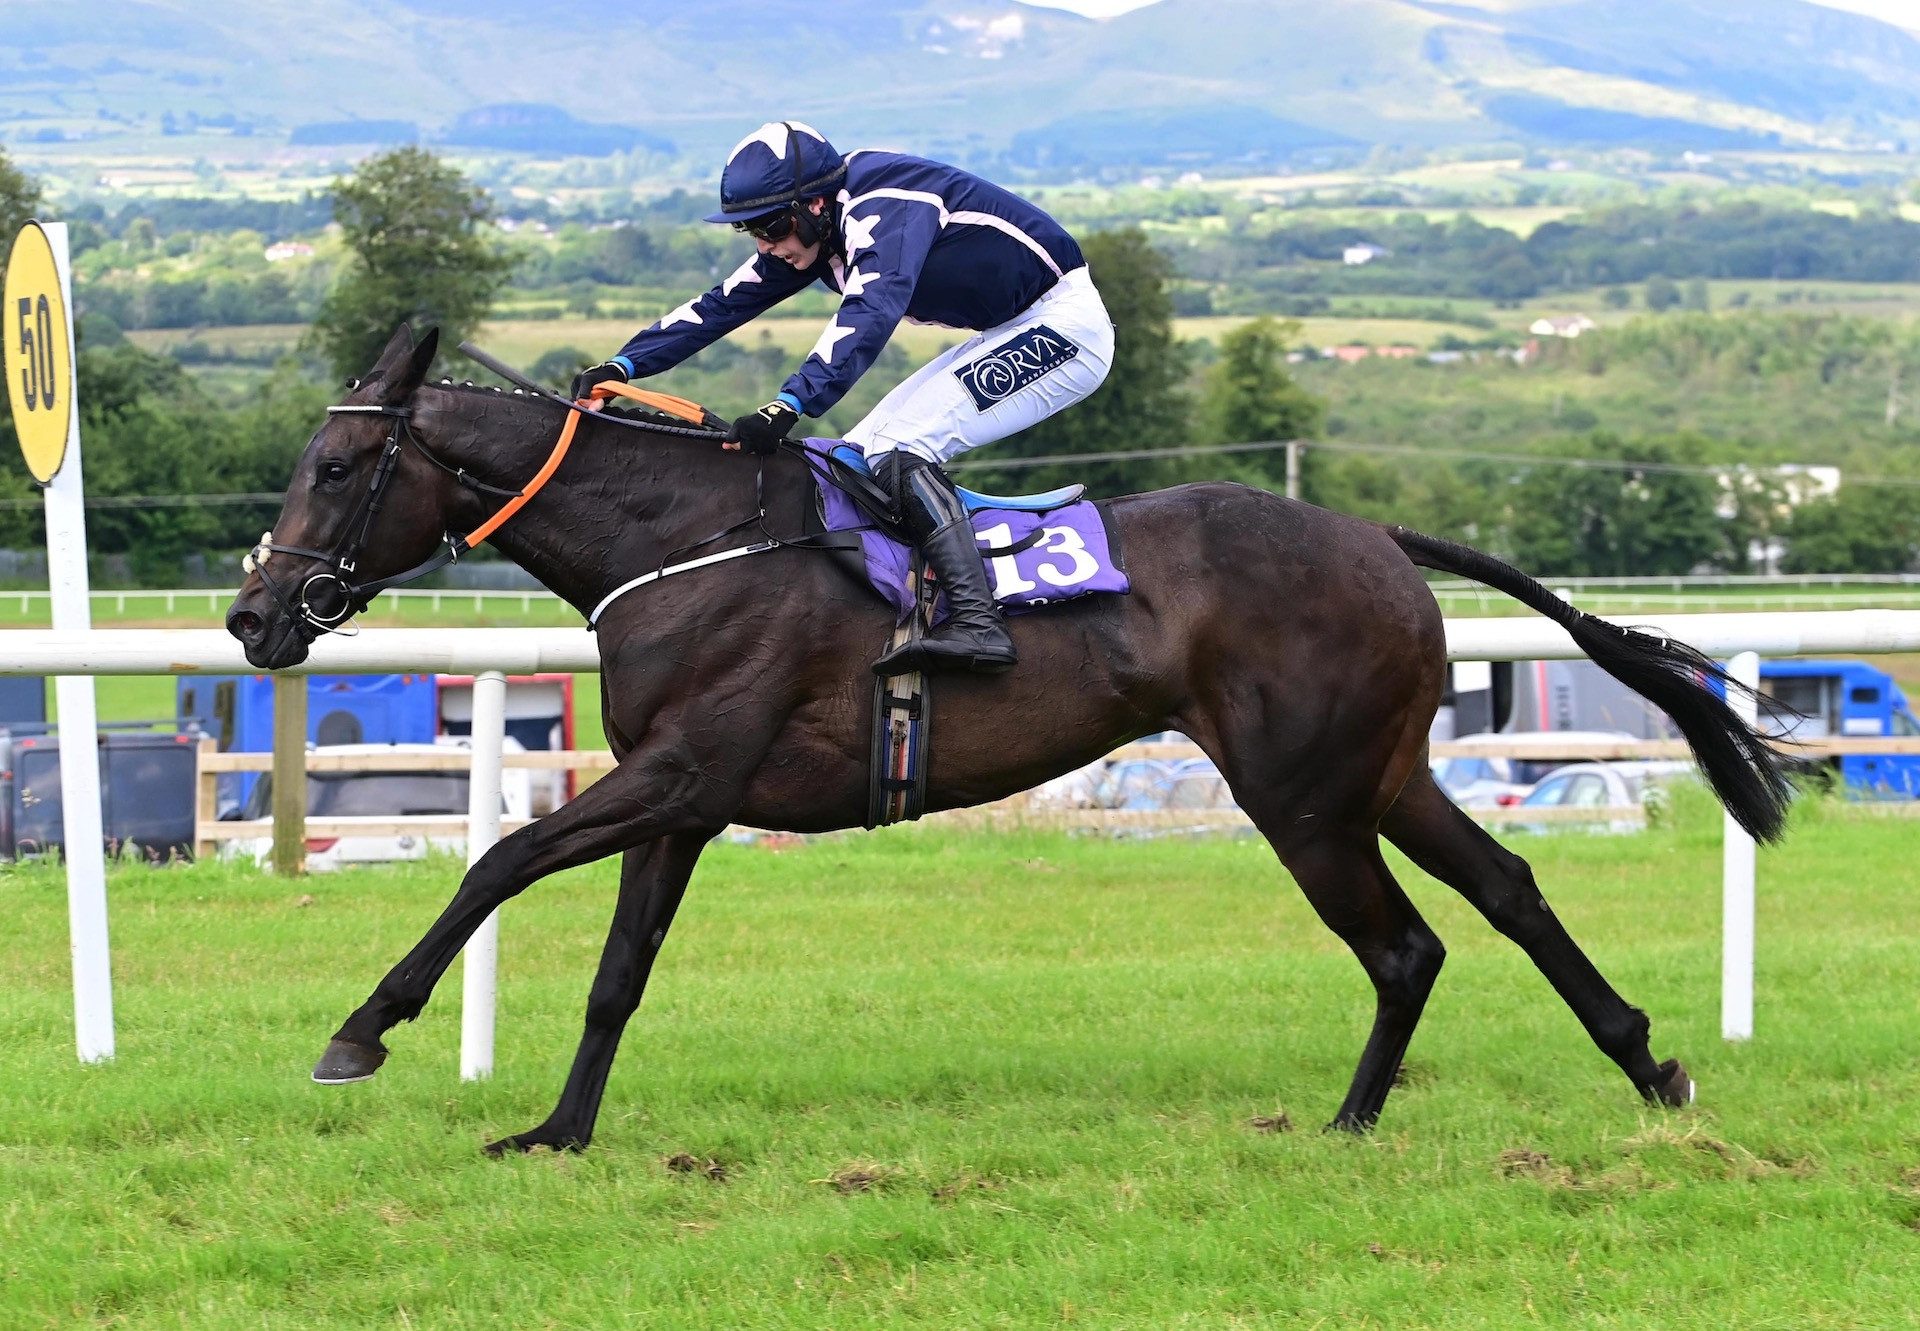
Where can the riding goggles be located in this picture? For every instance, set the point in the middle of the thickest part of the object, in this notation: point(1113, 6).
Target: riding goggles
point(773, 227)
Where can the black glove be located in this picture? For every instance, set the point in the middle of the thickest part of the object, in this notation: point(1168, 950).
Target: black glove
point(606, 371)
point(761, 431)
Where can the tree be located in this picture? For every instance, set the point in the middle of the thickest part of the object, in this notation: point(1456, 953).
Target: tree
point(1661, 293)
point(1249, 394)
point(1756, 510)
point(19, 198)
point(412, 228)
point(1249, 397)
point(556, 368)
point(1510, 278)
point(1140, 405)
point(1608, 522)
point(1862, 529)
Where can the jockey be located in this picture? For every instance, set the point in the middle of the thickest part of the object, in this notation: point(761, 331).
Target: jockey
point(900, 237)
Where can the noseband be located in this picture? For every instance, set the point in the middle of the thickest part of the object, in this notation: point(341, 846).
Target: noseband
point(347, 597)
point(310, 621)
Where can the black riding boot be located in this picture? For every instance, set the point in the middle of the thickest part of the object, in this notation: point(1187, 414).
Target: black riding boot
point(973, 636)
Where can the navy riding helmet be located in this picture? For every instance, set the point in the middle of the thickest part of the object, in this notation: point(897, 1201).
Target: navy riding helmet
point(774, 168)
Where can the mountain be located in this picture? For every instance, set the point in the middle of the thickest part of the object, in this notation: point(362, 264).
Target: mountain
point(1199, 81)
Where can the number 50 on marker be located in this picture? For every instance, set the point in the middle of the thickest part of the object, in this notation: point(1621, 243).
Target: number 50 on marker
point(33, 331)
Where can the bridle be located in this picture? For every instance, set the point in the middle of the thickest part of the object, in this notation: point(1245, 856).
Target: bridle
point(327, 598)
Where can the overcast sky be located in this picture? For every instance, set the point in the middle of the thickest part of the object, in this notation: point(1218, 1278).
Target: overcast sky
point(1904, 12)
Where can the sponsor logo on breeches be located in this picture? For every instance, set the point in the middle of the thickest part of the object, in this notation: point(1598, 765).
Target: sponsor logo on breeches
point(1013, 365)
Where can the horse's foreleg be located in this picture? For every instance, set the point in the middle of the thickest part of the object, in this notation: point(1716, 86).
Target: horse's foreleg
point(1438, 837)
point(653, 878)
point(647, 796)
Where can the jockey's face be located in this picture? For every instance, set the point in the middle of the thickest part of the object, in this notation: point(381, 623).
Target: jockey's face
point(788, 248)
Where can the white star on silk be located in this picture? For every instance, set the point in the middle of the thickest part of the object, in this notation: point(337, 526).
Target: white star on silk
point(684, 315)
point(856, 282)
point(773, 134)
point(859, 232)
point(745, 273)
point(830, 337)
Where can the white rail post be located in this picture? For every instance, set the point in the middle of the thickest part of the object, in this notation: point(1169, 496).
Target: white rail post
point(480, 967)
point(1736, 884)
point(41, 389)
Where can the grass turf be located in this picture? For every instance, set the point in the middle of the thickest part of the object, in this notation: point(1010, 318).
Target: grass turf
point(974, 1081)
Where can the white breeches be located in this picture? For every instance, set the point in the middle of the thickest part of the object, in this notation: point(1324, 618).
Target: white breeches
point(996, 383)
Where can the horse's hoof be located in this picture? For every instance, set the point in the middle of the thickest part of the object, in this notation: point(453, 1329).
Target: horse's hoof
point(1675, 1088)
point(344, 1062)
point(522, 1143)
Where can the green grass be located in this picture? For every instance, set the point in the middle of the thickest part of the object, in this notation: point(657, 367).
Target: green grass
point(1044, 1055)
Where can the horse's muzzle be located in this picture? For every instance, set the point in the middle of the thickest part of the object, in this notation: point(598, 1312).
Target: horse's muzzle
point(269, 637)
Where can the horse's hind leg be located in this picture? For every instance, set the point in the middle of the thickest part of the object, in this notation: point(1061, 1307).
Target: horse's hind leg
point(1442, 840)
point(1348, 883)
point(653, 878)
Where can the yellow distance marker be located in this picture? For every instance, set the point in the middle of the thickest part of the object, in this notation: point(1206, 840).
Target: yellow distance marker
point(37, 353)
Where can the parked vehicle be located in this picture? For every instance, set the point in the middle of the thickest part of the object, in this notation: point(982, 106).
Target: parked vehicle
point(1799, 700)
point(146, 793)
point(373, 792)
point(237, 711)
point(1825, 699)
point(1524, 696)
point(1611, 785)
point(23, 703)
point(1136, 783)
point(1195, 783)
point(1476, 781)
point(1082, 788)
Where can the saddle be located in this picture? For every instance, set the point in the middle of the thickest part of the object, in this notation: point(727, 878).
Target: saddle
point(1054, 543)
point(1041, 549)
point(849, 470)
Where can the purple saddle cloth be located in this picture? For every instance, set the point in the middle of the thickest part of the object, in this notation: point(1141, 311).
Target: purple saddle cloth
point(1056, 556)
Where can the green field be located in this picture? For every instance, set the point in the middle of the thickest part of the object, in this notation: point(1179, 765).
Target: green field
point(521, 342)
point(918, 1079)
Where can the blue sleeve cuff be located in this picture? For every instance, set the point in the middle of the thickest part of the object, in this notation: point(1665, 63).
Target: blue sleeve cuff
point(784, 396)
point(623, 363)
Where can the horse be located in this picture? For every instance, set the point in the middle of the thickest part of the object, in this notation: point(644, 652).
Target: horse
point(1301, 649)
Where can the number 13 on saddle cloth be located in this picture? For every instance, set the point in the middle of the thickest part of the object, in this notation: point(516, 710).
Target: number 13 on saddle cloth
point(1050, 556)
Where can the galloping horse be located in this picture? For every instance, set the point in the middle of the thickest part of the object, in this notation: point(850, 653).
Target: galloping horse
point(1299, 648)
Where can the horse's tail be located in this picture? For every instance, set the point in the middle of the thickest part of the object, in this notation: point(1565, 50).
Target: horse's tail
point(1740, 765)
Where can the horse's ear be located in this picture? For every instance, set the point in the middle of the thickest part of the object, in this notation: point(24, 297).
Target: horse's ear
point(409, 369)
point(392, 355)
point(422, 359)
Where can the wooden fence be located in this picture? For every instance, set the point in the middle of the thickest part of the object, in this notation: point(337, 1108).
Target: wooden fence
point(1014, 812)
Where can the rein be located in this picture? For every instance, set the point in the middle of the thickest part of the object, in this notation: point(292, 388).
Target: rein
point(327, 598)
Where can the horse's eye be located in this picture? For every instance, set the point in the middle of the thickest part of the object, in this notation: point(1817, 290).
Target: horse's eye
point(333, 471)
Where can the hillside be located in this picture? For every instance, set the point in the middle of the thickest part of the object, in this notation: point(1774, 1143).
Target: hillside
point(1206, 82)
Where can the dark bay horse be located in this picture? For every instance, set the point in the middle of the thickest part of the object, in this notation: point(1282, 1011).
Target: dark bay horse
point(1300, 648)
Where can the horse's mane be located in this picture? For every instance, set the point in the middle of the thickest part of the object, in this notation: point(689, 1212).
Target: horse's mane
point(627, 411)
